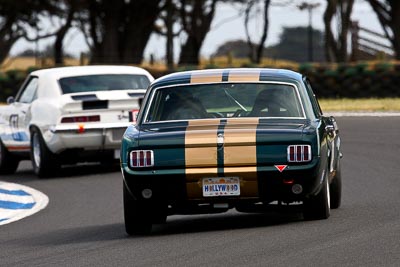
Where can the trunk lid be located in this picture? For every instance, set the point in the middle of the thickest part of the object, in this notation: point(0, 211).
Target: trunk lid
point(218, 143)
point(112, 106)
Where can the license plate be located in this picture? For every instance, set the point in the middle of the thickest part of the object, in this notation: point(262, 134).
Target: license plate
point(221, 186)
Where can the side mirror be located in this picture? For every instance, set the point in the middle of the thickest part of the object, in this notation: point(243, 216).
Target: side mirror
point(140, 101)
point(10, 100)
point(334, 123)
point(332, 127)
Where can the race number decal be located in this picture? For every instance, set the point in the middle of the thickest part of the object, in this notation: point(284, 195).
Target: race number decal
point(16, 135)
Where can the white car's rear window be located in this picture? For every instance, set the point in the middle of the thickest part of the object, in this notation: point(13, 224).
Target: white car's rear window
point(104, 82)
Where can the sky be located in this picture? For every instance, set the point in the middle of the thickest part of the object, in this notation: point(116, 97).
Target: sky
point(228, 25)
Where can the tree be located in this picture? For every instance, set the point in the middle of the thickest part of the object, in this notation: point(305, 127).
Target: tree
point(293, 45)
point(388, 12)
point(70, 9)
point(336, 48)
point(169, 15)
point(196, 17)
point(118, 31)
point(17, 19)
point(235, 48)
point(256, 49)
point(46, 52)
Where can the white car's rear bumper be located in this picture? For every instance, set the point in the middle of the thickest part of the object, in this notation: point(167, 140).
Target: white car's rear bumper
point(94, 136)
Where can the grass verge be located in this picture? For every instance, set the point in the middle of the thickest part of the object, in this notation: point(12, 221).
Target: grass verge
point(366, 105)
point(361, 105)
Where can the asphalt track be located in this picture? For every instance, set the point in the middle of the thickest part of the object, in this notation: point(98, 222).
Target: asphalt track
point(83, 223)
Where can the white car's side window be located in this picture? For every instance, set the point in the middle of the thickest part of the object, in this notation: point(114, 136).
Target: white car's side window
point(29, 92)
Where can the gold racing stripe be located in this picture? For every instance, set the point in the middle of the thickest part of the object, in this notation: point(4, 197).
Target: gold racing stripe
point(248, 179)
point(200, 154)
point(207, 77)
point(240, 153)
point(244, 76)
point(201, 147)
point(240, 142)
point(194, 180)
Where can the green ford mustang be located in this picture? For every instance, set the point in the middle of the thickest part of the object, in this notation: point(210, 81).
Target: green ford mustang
point(211, 140)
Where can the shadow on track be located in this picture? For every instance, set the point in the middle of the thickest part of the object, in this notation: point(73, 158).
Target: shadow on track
point(224, 221)
point(95, 233)
point(25, 171)
point(181, 225)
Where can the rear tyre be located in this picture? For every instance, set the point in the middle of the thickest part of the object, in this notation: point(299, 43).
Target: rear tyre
point(8, 162)
point(318, 207)
point(137, 218)
point(336, 188)
point(44, 162)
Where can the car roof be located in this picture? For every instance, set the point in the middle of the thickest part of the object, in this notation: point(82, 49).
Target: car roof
point(48, 78)
point(228, 75)
point(61, 72)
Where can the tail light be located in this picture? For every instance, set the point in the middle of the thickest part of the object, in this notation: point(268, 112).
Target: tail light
point(80, 119)
point(299, 153)
point(133, 115)
point(141, 158)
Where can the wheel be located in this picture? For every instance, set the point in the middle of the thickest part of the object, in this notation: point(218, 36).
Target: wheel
point(318, 207)
point(8, 162)
point(44, 162)
point(336, 188)
point(137, 218)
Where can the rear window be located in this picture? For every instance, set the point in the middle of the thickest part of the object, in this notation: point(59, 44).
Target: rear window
point(225, 101)
point(104, 82)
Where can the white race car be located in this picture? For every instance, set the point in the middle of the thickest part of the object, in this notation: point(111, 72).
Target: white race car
point(70, 114)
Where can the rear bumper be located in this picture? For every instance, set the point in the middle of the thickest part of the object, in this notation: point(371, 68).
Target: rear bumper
point(171, 187)
point(86, 137)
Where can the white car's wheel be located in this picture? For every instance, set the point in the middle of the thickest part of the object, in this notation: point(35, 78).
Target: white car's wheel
point(36, 150)
point(8, 162)
point(44, 162)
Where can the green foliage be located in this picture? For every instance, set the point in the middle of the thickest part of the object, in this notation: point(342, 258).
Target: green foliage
point(30, 69)
point(383, 66)
point(10, 82)
point(357, 81)
point(249, 65)
point(361, 67)
point(187, 67)
point(305, 67)
point(344, 81)
point(211, 66)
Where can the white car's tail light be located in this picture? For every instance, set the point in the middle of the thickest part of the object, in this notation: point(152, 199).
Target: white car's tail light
point(79, 119)
point(299, 153)
point(141, 158)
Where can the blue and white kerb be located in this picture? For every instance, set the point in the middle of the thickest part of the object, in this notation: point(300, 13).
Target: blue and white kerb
point(18, 201)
